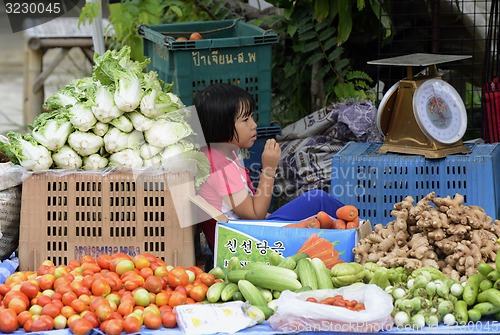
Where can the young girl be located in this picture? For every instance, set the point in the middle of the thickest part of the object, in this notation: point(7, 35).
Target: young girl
point(226, 117)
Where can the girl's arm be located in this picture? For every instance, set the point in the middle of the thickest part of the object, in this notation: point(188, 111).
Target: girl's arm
point(256, 207)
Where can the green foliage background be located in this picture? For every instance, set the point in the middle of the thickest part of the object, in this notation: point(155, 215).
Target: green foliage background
point(310, 66)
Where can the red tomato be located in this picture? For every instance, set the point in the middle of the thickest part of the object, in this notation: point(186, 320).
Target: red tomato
point(4, 288)
point(104, 261)
point(78, 305)
point(43, 300)
point(182, 289)
point(131, 325)
point(16, 294)
point(80, 326)
point(18, 305)
point(30, 289)
point(153, 284)
point(125, 308)
point(40, 325)
point(207, 279)
point(100, 287)
point(23, 316)
point(168, 319)
point(92, 318)
point(198, 293)
point(177, 276)
point(8, 320)
point(51, 309)
point(195, 36)
point(177, 298)
point(196, 270)
point(113, 327)
point(152, 321)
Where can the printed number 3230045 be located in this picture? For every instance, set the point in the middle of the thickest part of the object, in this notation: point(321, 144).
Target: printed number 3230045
point(33, 7)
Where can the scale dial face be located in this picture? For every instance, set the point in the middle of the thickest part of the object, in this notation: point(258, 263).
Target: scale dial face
point(440, 111)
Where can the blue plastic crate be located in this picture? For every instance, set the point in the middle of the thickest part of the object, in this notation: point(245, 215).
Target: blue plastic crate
point(374, 182)
point(253, 162)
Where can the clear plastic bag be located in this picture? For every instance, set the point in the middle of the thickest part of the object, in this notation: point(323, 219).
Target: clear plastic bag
point(295, 314)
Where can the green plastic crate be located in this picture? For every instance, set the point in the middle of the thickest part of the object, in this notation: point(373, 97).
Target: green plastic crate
point(231, 51)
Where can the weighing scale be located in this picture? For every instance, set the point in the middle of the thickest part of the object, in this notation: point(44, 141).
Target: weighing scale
point(422, 115)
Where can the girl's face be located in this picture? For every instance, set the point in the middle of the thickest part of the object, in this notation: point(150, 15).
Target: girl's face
point(246, 131)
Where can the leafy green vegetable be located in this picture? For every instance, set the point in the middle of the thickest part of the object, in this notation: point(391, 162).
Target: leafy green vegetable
point(52, 129)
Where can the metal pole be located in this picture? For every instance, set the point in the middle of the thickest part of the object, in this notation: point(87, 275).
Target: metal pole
point(98, 32)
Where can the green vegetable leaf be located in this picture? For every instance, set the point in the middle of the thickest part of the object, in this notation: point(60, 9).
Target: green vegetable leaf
point(90, 11)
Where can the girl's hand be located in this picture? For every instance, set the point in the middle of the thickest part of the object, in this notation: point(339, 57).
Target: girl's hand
point(271, 156)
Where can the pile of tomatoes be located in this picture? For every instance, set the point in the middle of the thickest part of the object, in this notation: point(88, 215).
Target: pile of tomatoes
point(115, 293)
point(339, 301)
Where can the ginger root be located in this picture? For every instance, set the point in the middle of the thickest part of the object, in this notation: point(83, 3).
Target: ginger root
point(439, 232)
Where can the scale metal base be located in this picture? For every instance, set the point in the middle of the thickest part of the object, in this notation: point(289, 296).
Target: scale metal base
point(396, 116)
point(429, 152)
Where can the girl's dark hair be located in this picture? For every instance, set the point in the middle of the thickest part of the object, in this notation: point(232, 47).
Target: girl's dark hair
point(218, 106)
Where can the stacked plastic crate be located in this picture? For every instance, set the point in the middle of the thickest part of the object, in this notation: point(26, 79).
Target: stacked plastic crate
point(231, 52)
point(374, 182)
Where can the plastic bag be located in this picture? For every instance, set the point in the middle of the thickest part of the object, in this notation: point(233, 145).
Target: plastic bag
point(11, 178)
point(200, 319)
point(295, 314)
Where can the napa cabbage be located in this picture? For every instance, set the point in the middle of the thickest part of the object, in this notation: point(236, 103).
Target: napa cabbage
point(81, 117)
point(126, 158)
point(51, 129)
point(165, 132)
point(105, 108)
point(67, 158)
point(116, 140)
point(24, 150)
point(116, 68)
point(94, 162)
point(85, 144)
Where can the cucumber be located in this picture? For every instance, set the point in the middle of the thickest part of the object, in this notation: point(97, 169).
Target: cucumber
point(236, 275)
point(471, 289)
point(307, 275)
point(214, 292)
point(228, 292)
point(486, 308)
point(272, 280)
point(322, 274)
point(460, 313)
point(251, 293)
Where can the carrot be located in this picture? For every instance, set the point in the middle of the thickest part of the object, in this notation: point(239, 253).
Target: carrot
point(307, 223)
point(339, 224)
point(313, 223)
point(347, 213)
point(325, 220)
point(352, 224)
point(301, 224)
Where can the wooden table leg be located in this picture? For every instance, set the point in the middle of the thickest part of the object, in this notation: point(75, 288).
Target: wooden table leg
point(33, 100)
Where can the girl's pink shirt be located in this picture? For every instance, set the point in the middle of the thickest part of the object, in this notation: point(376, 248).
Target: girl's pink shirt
point(227, 176)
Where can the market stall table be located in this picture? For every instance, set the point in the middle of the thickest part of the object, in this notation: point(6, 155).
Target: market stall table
point(484, 327)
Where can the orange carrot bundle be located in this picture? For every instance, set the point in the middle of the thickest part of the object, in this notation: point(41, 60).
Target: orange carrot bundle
point(339, 224)
point(347, 213)
point(325, 220)
point(352, 224)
